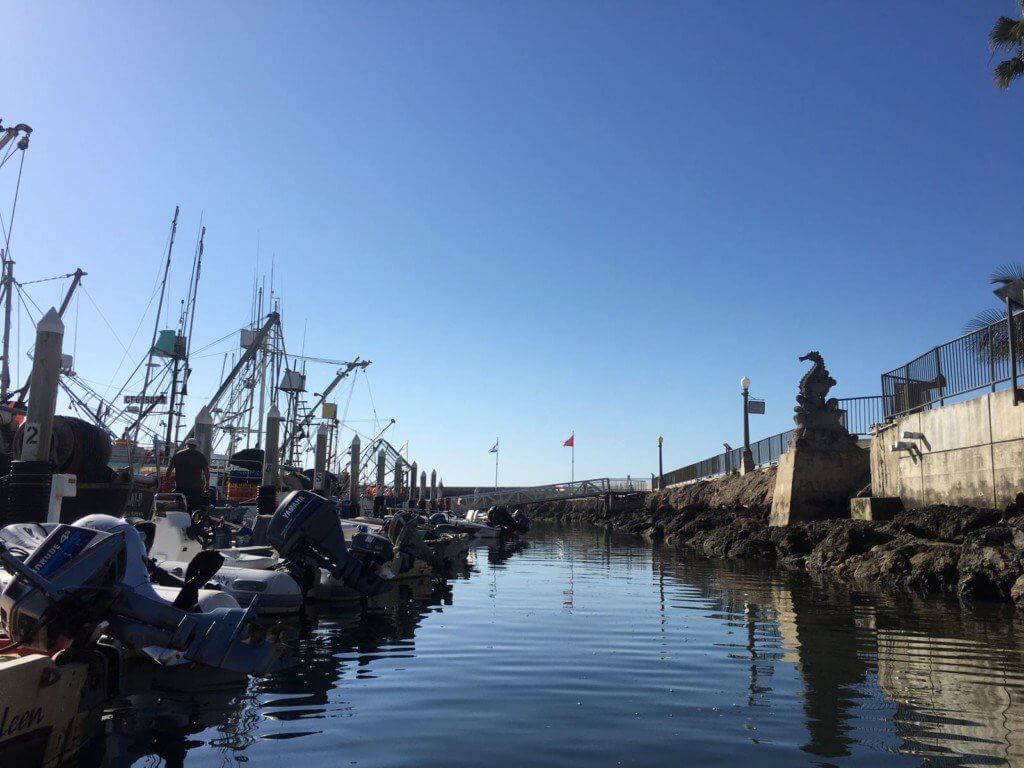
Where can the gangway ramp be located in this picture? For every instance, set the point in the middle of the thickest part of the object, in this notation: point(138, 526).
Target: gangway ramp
point(576, 489)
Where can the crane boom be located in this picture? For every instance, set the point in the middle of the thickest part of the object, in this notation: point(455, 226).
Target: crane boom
point(311, 413)
point(272, 319)
point(7, 135)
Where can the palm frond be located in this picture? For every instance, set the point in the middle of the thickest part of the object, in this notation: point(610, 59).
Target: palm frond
point(1007, 273)
point(1008, 71)
point(984, 319)
point(989, 339)
point(1007, 34)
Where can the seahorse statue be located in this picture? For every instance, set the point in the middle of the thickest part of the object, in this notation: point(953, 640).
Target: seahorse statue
point(814, 385)
point(817, 418)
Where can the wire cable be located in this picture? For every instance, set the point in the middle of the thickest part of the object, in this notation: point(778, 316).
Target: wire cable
point(14, 208)
point(104, 318)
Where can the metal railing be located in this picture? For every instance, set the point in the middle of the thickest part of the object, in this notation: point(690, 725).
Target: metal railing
point(579, 489)
point(974, 361)
point(858, 414)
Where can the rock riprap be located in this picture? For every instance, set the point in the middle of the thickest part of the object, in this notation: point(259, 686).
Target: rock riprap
point(977, 554)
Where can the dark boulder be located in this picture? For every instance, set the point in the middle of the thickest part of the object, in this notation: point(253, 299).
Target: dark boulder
point(942, 523)
point(905, 563)
point(846, 539)
point(990, 563)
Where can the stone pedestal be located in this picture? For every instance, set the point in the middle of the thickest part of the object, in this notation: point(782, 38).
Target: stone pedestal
point(746, 462)
point(816, 484)
point(875, 508)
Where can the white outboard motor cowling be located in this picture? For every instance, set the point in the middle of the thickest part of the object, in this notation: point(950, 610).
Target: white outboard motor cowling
point(94, 571)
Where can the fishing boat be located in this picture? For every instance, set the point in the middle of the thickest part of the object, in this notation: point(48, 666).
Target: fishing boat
point(49, 708)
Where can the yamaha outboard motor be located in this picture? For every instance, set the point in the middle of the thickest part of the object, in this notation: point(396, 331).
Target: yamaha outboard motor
point(306, 532)
point(93, 573)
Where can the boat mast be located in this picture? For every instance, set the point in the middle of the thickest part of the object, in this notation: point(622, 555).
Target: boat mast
point(156, 323)
point(8, 291)
point(76, 276)
point(7, 135)
point(263, 383)
point(187, 318)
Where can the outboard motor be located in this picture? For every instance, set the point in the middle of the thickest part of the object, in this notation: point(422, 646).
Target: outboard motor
point(439, 523)
point(372, 549)
point(500, 518)
point(404, 530)
point(93, 573)
point(306, 532)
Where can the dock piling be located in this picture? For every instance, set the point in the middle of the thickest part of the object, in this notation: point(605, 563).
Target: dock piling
point(31, 475)
point(398, 480)
point(353, 482)
point(267, 495)
point(42, 402)
point(204, 432)
point(320, 460)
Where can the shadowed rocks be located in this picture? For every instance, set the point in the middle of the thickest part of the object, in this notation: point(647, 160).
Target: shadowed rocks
point(976, 554)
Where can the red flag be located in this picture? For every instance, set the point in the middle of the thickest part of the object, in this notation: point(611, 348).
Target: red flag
point(570, 442)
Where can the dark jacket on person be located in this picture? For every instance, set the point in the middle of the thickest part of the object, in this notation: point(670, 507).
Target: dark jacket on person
point(190, 468)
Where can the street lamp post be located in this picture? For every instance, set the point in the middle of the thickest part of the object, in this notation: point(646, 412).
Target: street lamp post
point(661, 468)
point(747, 463)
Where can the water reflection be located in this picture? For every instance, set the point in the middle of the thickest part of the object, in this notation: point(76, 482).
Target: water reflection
point(160, 728)
point(581, 647)
point(932, 679)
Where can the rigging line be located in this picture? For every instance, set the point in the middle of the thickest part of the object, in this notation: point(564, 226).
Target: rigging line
point(348, 402)
point(215, 353)
point(138, 327)
point(373, 407)
point(78, 307)
point(213, 343)
point(46, 279)
point(10, 151)
point(127, 381)
point(27, 311)
point(104, 318)
point(14, 205)
point(17, 337)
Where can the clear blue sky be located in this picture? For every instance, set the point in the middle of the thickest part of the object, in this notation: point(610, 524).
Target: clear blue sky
point(534, 217)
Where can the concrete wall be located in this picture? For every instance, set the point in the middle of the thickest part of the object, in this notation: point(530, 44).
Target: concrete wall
point(970, 453)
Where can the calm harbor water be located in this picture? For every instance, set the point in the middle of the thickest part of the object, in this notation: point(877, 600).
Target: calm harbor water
point(581, 649)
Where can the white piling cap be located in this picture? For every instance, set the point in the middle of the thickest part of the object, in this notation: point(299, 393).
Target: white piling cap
point(273, 413)
point(204, 416)
point(321, 430)
point(51, 323)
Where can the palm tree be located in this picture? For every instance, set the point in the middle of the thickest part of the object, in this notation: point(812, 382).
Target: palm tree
point(993, 345)
point(1008, 35)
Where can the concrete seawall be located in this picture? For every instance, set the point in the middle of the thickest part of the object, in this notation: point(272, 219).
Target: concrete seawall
point(969, 453)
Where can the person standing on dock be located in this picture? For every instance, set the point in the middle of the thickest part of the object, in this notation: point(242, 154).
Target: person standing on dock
point(191, 473)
